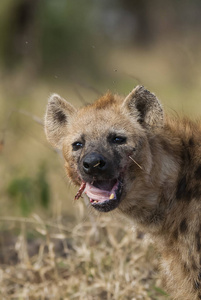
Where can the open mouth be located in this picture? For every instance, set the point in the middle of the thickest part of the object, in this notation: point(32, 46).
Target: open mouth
point(104, 195)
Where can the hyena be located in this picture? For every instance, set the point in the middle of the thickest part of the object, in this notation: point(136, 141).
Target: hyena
point(127, 154)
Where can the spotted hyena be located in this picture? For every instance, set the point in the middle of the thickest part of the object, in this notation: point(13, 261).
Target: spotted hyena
point(126, 154)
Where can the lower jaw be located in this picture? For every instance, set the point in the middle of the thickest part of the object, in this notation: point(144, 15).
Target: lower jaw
point(106, 206)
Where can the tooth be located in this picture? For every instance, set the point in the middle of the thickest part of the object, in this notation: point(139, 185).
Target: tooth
point(112, 196)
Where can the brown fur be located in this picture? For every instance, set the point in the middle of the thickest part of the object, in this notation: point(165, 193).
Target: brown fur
point(161, 191)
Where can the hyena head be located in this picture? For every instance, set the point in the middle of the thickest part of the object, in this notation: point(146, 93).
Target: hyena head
point(105, 144)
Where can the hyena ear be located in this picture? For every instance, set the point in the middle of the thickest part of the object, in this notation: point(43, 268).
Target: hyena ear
point(144, 106)
point(57, 117)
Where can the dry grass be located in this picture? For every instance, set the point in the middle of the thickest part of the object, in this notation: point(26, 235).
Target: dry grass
point(97, 259)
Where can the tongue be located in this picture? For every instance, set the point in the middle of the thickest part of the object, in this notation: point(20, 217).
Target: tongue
point(96, 194)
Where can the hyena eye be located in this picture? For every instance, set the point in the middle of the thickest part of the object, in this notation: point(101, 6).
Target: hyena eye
point(77, 145)
point(118, 140)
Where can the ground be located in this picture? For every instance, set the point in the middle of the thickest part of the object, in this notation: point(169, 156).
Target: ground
point(96, 259)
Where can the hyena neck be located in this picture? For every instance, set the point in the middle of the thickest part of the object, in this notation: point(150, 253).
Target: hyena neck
point(178, 236)
point(180, 163)
point(165, 196)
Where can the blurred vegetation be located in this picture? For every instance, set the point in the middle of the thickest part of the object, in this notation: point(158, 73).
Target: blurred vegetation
point(47, 34)
point(67, 35)
point(80, 49)
point(28, 192)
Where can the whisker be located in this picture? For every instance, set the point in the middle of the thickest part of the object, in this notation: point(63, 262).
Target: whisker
point(135, 162)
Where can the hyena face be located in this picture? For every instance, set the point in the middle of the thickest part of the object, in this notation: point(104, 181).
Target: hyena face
point(105, 144)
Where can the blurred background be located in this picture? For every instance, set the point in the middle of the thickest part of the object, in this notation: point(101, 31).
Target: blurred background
point(81, 49)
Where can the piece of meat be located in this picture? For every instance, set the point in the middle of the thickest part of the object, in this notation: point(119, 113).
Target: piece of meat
point(80, 191)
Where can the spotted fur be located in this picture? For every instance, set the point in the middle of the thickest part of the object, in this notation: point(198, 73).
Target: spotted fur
point(161, 191)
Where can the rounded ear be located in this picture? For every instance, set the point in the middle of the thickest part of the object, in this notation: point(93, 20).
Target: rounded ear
point(145, 107)
point(57, 117)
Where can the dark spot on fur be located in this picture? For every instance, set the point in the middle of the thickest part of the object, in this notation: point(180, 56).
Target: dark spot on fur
point(186, 156)
point(199, 296)
point(181, 188)
point(183, 226)
point(60, 116)
point(198, 242)
point(175, 234)
point(196, 192)
point(191, 142)
point(189, 194)
point(183, 157)
point(194, 266)
point(183, 191)
point(196, 285)
point(186, 268)
point(198, 173)
point(199, 275)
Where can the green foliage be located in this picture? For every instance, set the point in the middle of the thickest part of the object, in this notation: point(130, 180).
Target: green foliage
point(23, 192)
point(27, 192)
point(160, 291)
point(65, 33)
point(48, 34)
point(43, 187)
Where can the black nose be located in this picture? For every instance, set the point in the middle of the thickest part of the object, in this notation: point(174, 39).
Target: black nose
point(94, 163)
